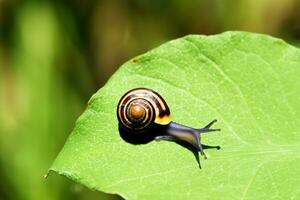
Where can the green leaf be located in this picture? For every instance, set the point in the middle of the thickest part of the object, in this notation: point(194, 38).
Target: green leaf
point(249, 82)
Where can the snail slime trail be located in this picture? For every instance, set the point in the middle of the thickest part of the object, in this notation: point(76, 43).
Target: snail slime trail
point(144, 116)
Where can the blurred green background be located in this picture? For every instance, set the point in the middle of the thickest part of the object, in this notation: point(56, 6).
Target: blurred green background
point(55, 54)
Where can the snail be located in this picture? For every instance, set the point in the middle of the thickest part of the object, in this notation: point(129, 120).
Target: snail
point(143, 113)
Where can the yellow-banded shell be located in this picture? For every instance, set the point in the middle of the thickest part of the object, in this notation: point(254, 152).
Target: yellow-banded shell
point(141, 108)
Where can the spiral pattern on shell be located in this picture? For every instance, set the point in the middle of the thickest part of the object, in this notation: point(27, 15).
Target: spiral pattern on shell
point(140, 108)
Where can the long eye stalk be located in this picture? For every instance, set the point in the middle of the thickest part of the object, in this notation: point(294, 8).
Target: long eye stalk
point(178, 132)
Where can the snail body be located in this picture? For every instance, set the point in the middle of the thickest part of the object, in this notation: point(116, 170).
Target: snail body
point(143, 112)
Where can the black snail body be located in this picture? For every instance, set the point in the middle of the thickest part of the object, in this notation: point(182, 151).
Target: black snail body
point(143, 112)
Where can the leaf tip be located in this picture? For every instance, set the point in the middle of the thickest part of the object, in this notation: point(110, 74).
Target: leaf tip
point(45, 176)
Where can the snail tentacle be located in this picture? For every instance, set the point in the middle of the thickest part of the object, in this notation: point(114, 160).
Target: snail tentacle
point(209, 124)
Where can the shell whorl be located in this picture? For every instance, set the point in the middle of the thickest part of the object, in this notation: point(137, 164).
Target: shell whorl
point(140, 108)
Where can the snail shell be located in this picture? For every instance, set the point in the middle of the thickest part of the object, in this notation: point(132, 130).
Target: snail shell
point(139, 109)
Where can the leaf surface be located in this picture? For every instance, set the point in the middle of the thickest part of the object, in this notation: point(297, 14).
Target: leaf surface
point(249, 82)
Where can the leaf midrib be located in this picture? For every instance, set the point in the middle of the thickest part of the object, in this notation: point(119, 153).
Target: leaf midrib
point(258, 150)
